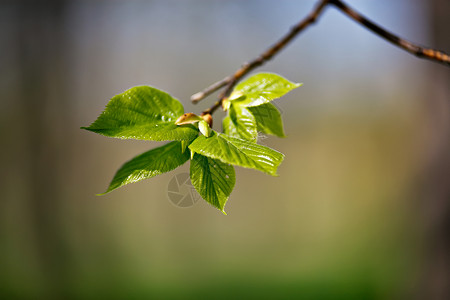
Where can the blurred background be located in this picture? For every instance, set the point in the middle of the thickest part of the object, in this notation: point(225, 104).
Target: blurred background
point(360, 209)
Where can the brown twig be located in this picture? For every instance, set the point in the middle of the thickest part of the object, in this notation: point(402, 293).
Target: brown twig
point(211, 89)
point(230, 81)
point(427, 53)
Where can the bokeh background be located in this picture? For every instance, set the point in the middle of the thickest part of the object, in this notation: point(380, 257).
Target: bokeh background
point(360, 209)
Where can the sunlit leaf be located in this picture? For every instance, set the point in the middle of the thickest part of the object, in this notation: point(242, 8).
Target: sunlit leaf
point(238, 152)
point(240, 123)
point(268, 119)
point(149, 164)
point(262, 88)
point(143, 113)
point(213, 179)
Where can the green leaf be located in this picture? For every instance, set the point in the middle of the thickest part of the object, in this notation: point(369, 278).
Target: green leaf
point(262, 88)
point(213, 180)
point(143, 113)
point(268, 119)
point(240, 123)
point(149, 164)
point(238, 152)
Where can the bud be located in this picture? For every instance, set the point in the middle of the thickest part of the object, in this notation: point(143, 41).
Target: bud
point(208, 118)
point(188, 118)
point(226, 104)
point(204, 128)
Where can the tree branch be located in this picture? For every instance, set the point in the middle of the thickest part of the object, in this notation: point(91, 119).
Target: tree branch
point(230, 81)
point(427, 53)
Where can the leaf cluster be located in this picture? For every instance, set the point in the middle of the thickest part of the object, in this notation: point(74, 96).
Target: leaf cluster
point(146, 113)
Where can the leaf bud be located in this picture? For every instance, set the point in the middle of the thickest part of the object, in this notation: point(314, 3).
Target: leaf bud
point(188, 118)
point(204, 128)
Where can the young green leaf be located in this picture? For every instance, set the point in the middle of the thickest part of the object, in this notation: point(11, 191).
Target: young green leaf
point(149, 164)
point(213, 179)
point(143, 113)
point(238, 152)
point(240, 123)
point(262, 88)
point(268, 119)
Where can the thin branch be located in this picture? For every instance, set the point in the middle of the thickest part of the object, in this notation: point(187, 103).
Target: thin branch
point(211, 89)
point(427, 53)
point(230, 81)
